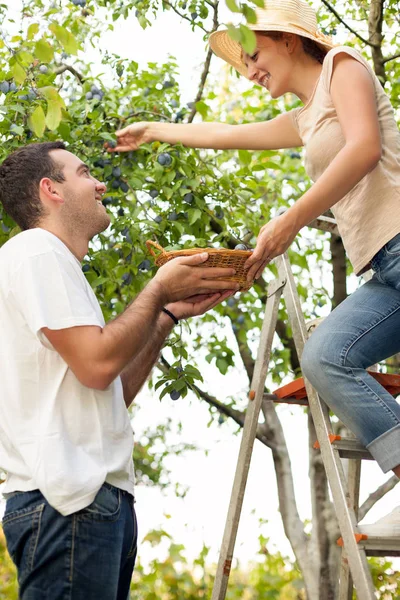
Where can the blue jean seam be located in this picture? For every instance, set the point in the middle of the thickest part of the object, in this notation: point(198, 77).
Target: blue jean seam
point(38, 518)
point(133, 547)
point(374, 395)
point(71, 565)
point(20, 514)
point(346, 349)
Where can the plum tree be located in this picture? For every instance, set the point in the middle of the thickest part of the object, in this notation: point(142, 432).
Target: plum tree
point(194, 189)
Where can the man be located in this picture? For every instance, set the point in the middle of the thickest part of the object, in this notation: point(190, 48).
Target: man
point(67, 378)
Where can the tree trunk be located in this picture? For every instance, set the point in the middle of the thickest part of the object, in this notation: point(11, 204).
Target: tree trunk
point(338, 270)
point(375, 21)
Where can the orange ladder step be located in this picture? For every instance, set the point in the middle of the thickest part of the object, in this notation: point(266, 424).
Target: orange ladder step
point(296, 389)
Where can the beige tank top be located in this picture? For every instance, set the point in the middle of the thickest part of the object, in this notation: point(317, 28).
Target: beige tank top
point(369, 215)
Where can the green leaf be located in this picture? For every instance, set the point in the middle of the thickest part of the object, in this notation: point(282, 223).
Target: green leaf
point(53, 116)
point(272, 165)
point(43, 51)
point(17, 129)
point(248, 39)
point(37, 121)
point(65, 38)
point(250, 14)
point(25, 58)
point(231, 4)
point(19, 73)
point(194, 215)
point(32, 30)
point(52, 96)
point(202, 108)
point(98, 281)
point(234, 33)
point(222, 365)
point(245, 157)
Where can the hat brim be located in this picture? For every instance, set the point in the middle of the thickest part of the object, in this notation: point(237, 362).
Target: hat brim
point(231, 51)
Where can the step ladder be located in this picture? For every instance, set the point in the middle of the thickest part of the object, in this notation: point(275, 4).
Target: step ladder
point(354, 568)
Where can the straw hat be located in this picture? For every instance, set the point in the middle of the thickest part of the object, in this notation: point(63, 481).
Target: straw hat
point(291, 16)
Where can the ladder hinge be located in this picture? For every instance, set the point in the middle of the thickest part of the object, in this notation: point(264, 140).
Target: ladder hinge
point(275, 286)
point(358, 537)
point(332, 438)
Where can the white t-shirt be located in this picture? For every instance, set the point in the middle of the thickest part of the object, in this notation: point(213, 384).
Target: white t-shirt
point(56, 435)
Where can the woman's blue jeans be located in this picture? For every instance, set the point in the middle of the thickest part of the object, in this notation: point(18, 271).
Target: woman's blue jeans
point(88, 555)
point(361, 331)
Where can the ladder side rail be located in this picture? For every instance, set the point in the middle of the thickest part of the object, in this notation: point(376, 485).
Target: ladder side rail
point(247, 442)
point(330, 456)
point(353, 478)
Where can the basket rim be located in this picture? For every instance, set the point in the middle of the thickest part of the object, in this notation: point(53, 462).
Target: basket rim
point(222, 251)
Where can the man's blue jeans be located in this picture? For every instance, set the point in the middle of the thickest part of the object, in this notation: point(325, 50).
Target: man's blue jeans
point(88, 555)
point(361, 331)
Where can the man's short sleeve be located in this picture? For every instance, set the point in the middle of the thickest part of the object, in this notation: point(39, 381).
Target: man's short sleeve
point(50, 291)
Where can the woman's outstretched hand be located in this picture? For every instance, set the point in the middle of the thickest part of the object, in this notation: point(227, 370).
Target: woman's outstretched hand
point(274, 239)
point(131, 137)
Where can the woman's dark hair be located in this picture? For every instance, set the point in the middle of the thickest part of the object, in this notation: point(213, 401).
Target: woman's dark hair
point(20, 175)
point(309, 46)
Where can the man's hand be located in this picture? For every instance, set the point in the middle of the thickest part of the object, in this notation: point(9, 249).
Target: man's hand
point(131, 137)
point(184, 277)
point(197, 305)
point(274, 239)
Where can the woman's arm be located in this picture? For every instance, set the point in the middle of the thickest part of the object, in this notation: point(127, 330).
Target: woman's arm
point(268, 135)
point(356, 109)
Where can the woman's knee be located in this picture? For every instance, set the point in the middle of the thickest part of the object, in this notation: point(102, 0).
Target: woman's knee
point(310, 360)
point(322, 362)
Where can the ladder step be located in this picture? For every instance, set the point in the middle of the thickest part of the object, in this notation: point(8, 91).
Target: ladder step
point(380, 546)
point(286, 400)
point(351, 448)
point(376, 545)
point(295, 391)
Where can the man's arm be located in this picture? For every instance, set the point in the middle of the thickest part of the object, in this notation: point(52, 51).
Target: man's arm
point(139, 368)
point(136, 372)
point(97, 356)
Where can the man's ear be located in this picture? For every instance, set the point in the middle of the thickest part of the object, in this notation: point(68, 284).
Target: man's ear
point(49, 192)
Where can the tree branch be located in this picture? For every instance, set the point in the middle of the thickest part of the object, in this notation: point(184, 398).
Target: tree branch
point(62, 68)
point(183, 16)
point(375, 25)
point(206, 69)
point(224, 409)
point(338, 256)
point(339, 18)
point(389, 58)
point(144, 112)
point(203, 80)
point(373, 498)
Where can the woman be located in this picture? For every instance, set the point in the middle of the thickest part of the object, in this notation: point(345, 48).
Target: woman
point(352, 143)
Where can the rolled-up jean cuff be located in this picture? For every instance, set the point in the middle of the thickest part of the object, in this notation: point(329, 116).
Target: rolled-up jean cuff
point(386, 449)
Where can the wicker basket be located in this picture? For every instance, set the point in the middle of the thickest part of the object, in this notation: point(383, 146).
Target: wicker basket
point(217, 258)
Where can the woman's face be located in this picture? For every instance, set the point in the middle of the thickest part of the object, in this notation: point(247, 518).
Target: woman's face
point(270, 65)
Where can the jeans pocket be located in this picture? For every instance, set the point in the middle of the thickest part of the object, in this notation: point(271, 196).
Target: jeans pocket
point(105, 507)
point(133, 549)
point(393, 246)
point(21, 529)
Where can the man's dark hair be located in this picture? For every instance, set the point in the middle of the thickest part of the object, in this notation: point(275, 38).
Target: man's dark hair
point(20, 175)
